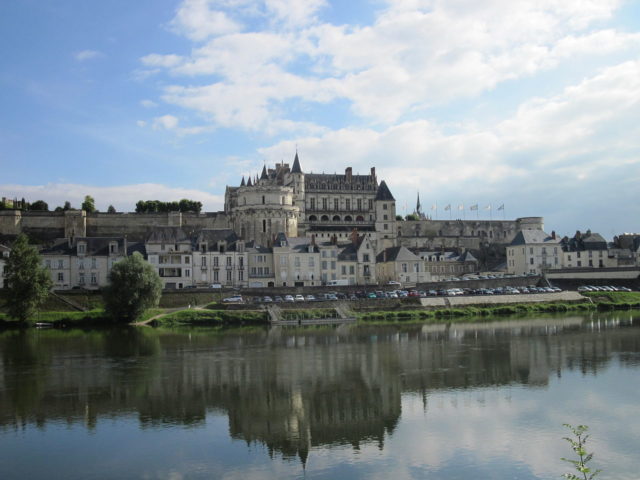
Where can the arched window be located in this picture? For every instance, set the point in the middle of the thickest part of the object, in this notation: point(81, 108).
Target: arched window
point(348, 218)
point(324, 218)
point(336, 218)
point(313, 218)
point(359, 218)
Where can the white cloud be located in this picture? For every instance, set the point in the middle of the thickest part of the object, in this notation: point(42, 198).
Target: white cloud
point(415, 55)
point(148, 103)
point(141, 123)
point(167, 122)
point(83, 55)
point(196, 20)
point(123, 197)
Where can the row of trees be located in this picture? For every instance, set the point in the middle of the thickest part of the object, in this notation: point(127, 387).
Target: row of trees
point(158, 206)
point(88, 205)
point(134, 285)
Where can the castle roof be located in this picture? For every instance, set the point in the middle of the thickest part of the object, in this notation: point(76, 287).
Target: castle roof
point(242, 183)
point(263, 175)
point(384, 193)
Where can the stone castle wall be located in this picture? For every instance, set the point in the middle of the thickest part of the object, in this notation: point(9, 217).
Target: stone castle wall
point(470, 234)
point(136, 226)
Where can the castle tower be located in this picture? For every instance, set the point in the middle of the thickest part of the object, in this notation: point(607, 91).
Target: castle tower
point(296, 180)
point(386, 228)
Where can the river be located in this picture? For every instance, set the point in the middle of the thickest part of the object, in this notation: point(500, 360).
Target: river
point(460, 401)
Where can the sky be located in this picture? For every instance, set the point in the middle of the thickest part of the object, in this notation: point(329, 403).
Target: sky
point(530, 105)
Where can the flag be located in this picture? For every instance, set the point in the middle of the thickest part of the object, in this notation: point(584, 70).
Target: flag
point(434, 207)
point(473, 207)
point(488, 207)
point(448, 207)
point(461, 206)
point(501, 207)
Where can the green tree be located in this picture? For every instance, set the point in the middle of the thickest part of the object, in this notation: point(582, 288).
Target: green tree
point(399, 218)
point(412, 217)
point(89, 204)
point(67, 206)
point(26, 281)
point(39, 205)
point(111, 209)
point(134, 286)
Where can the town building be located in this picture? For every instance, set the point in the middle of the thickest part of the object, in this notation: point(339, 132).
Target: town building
point(532, 252)
point(447, 264)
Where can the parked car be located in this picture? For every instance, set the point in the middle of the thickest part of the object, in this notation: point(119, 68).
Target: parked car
point(299, 298)
point(310, 298)
point(267, 299)
point(233, 299)
point(289, 298)
point(278, 299)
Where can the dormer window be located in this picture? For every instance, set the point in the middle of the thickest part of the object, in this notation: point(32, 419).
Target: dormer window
point(113, 248)
point(82, 248)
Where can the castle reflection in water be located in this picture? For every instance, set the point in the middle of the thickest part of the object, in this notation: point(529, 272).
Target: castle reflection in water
point(290, 390)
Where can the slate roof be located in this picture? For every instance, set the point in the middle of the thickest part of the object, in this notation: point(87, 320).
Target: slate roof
point(168, 235)
point(215, 235)
point(297, 244)
point(296, 165)
point(253, 247)
point(397, 254)
point(384, 193)
point(527, 237)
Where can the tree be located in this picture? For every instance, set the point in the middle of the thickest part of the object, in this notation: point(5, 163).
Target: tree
point(399, 218)
point(134, 286)
point(89, 204)
point(27, 281)
point(39, 205)
point(67, 206)
point(412, 217)
point(111, 209)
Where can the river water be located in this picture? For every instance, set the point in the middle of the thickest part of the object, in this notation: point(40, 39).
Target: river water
point(459, 401)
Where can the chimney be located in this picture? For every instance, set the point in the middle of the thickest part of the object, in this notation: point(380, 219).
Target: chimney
point(313, 239)
point(384, 255)
point(373, 173)
point(354, 236)
point(348, 173)
point(553, 234)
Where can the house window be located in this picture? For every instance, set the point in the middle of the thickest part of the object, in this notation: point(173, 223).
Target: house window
point(324, 204)
point(336, 204)
point(365, 257)
point(312, 205)
point(60, 264)
point(203, 261)
point(80, 264)
point(187, 272)
point(81, 248)
point(384, 206)
point(112, 248)
point(531, 261)
point(241, 262)
point(344, 270)
point(215, 276)
point(94, 278)
point(296, 261)
point(347, 204)
point(229, 273)
point(352, 270)
point(283, 261)
point(47, 263)
point(404, 268)
point(229, 259)
point(241, 275)
point(385, 227)
point(93, 263)
point(311, 262)
point(81, 279)
point(263, 202)
point(60, 277)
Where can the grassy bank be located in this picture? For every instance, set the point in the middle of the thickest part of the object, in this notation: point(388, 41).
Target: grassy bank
point(212, 317)
point(96, 317)
point(479, 312)
point(615, 300)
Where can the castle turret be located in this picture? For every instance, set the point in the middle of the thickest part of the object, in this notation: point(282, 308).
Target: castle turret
point(297, 182)
point(386, 228)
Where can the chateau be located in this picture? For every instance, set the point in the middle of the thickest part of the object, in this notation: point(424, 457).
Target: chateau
point(283, 227)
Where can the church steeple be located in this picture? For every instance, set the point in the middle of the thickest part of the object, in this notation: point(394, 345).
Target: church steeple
point(249, 182)
point(296, 165)
point(242, 184)
point(263, 175)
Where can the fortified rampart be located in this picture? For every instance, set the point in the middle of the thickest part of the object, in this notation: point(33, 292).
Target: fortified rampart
point(136, 226)
point(469, 234)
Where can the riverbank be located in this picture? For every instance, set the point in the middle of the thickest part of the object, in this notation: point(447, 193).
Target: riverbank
point(427, 311)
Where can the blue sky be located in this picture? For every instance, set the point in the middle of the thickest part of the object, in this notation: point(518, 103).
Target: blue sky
point(535, 105)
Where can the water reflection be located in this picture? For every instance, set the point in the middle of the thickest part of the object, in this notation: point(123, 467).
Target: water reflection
point(290, 390)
